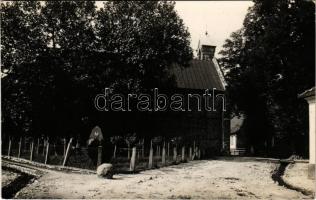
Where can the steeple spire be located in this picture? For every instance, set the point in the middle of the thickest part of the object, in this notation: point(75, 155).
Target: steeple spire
point(206, 47)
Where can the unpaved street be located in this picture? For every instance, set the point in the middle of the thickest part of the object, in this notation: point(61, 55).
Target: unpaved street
point(197, 179)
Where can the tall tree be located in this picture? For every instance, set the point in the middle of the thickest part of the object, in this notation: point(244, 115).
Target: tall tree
point(68, 25)
point(269, 62)
point(21, 33)
point(60, 54)
point(149, 37)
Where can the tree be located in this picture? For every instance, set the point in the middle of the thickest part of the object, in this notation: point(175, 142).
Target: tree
point(21, 38)
point(58, 55)
point(148, 36)
point(68, 25)
point(45, 87)
point(268, 63)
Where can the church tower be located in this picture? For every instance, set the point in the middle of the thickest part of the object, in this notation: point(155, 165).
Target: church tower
point(206, 48)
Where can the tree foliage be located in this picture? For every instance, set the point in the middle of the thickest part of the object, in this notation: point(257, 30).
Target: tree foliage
point(21, 38)
point(268, 63)
point(57, 55)
point(146, 42)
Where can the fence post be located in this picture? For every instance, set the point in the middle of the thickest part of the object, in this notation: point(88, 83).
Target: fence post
point(9, 148)
point(114, 152)
point(190, 153)
point(128, 152)
point(133, 159)
point(143, 149)
point(44, 145)
point(64, 142)
point(183, 154)
point(24, 144)
point(67, 152)
point(163, 158)
point(47, 150)
point(175, 154)
point(150, 164)
point(168, 153)
point(32, 148)
point(195, 152)
point(37, 148)
point(99, 155)
point(20, 144)
point(157, 151)
point(55, 152)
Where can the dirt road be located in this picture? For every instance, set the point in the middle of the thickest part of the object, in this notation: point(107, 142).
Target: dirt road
point(198, 179)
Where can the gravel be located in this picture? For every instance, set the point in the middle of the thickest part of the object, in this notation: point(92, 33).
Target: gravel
point(194, 180)
point(296, 175)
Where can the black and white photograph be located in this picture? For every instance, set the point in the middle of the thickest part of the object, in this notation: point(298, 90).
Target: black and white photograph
point(158, 99)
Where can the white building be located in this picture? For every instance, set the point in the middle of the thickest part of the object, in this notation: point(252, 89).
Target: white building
point(236, 147)
point(309, 96)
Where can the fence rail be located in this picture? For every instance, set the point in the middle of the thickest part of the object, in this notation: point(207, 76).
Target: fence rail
point(130, 159)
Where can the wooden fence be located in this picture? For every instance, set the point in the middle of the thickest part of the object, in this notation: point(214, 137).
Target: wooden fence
point(69, 153)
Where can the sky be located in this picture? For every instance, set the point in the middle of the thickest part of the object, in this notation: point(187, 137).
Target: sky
point(218, 18)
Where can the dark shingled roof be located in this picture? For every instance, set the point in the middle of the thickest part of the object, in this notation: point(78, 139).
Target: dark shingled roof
point(307, 93)
point(201, 74)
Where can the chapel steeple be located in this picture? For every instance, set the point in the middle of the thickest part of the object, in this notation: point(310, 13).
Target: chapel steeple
point(206, 48)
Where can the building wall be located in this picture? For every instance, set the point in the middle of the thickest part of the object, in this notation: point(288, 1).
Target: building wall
point(312, 137)
point(233, 141)
point(205, 128)
point(312, 140)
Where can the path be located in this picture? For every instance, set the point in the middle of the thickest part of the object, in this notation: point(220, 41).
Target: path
point(197, 179)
